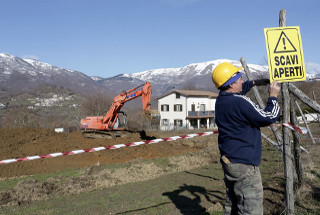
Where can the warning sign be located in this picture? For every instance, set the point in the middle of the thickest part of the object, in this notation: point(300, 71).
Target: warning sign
point(285, 55)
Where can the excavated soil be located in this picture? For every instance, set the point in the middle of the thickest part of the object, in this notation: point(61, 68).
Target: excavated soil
point(23, 142)
point(16, 143)
point(193, 153)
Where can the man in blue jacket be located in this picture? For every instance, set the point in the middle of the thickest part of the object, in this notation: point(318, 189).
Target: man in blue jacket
point(239, 121)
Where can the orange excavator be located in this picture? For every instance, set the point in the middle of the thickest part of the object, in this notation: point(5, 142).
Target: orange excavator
point(110, 122)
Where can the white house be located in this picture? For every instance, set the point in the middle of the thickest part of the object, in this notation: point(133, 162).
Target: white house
point(187, 109)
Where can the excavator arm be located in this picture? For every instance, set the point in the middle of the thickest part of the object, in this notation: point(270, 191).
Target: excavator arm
point(122, 98)
point(108, 121)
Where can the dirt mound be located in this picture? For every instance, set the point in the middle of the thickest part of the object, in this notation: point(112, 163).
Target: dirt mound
point(26, 142)
point(22, 142)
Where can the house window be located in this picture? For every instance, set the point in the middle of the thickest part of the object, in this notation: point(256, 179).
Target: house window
point(177, 95)
point(202, 107)
point(165, 122)
point(164, 107)
point(177, 108)
point(193, 107)
point(178, 122)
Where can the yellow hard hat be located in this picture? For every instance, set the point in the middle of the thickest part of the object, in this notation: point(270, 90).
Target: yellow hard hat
point(223, 72)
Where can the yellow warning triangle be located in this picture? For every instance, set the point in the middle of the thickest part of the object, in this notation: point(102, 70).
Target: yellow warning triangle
point(284, 44)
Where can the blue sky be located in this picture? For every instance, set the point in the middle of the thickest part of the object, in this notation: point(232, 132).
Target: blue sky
point(106, 38)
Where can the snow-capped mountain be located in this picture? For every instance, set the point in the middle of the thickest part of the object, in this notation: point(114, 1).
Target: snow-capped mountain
point(96, 78)
point(313, 70)
point(18, 74)
point(190, 71)
point(194, 76)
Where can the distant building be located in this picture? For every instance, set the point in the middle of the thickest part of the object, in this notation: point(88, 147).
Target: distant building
point(60, 130)
point(310, 117)
point(2, 106)
point(316, 78)
point(190, 109)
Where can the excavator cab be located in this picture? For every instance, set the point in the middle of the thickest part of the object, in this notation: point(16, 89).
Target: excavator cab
point(121, 121)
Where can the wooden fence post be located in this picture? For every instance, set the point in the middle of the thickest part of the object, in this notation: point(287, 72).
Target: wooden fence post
point(314, 98)
point(287, 152)
point(304, 98)
point(296, 144)
point(306, 124)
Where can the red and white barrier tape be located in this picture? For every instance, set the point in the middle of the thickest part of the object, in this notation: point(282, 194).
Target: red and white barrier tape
point(106, 147)
point(299, 129)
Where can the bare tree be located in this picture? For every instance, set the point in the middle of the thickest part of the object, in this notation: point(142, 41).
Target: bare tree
point(96, 105)
point(18, 117)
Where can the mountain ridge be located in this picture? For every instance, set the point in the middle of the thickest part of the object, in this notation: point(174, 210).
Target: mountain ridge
point(17, 73)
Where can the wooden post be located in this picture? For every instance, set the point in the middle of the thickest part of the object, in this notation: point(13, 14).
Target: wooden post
point(271, 141)
point(304, 98)
point(306, 124)
point(287, 152)
point(314, 98)
point(296, 144)
point(255, 89)
point(261, 104)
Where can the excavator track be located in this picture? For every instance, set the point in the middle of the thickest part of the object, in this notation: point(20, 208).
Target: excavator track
point(100, 134)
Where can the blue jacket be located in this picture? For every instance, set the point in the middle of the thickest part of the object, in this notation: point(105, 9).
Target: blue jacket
point(239, 121)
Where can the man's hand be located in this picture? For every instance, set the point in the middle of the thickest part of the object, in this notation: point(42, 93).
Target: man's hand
point(274, 89)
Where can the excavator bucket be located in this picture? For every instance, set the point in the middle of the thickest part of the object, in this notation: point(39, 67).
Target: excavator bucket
point(152, 115)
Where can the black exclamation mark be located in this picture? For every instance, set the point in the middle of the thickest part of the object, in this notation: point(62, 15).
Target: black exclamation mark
point(284, 43)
